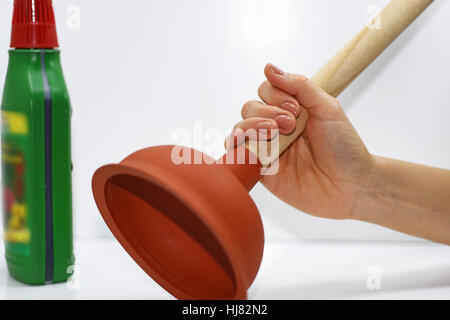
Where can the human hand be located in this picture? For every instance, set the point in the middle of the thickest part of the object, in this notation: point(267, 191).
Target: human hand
point(326, 169)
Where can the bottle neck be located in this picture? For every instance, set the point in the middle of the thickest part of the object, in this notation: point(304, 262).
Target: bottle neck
point(24, 54)
point(24, 60)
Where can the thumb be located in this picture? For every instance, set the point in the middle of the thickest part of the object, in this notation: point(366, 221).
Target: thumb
point(307, 93)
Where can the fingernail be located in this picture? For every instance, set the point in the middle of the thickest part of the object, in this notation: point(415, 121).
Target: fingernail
point(292, 108)
point(276, 70)
point(285, 122)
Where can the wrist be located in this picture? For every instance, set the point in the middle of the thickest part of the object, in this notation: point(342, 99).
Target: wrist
point(370, 191)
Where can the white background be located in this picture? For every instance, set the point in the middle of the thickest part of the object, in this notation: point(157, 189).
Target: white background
point(138, 70)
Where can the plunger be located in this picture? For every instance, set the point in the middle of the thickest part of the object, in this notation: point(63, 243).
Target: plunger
point(193, 227)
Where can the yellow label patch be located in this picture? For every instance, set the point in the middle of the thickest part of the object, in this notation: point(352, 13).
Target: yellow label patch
point(15, 122)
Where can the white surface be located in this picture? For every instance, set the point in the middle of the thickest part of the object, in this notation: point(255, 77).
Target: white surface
point(138, 71)
point(290, 270)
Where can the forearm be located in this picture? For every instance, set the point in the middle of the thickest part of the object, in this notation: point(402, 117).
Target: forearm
point(407, 197)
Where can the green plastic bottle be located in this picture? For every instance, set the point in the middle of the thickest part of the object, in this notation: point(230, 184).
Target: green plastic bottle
point(36, 150)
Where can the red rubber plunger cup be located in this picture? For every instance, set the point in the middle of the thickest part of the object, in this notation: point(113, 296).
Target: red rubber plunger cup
point(191, 226)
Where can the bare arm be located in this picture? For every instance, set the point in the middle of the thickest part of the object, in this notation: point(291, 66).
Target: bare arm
point(409, 198)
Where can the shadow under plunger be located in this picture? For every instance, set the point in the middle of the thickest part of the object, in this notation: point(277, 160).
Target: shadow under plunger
point(193, 227)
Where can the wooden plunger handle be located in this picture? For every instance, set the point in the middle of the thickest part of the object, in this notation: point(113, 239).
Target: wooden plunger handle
point(349, 62)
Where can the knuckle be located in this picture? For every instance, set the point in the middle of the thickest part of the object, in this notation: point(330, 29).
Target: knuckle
point(246, 108)
point(263, 88)
point(302, 79)
point(303, 83)
point(240, 125)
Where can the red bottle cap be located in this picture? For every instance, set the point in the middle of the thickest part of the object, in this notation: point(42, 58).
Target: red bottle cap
point(33, 25)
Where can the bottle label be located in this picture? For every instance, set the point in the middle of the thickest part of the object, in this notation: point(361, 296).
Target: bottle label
point(14, 155)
